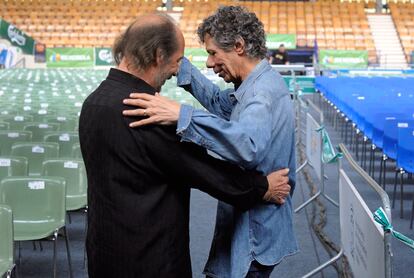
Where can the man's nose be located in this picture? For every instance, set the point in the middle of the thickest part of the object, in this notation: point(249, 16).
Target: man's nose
point(210, 63)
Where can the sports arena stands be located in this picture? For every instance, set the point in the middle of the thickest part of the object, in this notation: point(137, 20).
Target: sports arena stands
point(357, 91)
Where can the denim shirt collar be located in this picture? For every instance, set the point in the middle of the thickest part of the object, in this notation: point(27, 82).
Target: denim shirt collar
point(247, 83)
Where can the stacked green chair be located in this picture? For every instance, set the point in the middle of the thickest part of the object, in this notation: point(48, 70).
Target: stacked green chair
point(43, 216)
point(13, 166)
point(41, 114)
point(39, 130)
point(17, 122)
point(66, 140)
point(74, 172)
point(9, 137)
point(4, 126)
point(67, 123)
point(76, 151)
point(36, 153)
point(6, 242)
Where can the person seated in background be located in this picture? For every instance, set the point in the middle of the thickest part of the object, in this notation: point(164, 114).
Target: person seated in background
point(279, 56)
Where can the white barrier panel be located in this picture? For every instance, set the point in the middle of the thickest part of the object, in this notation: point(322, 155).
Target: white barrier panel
point(313, 144)
point(362, 238)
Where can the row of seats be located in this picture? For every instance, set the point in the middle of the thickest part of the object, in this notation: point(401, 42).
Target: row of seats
point(403, 15)
point(333, 25)
point(382, 109)
point(42, 174)
point(75, 23)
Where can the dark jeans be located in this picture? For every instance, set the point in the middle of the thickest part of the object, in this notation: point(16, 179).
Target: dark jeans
point(257, 271)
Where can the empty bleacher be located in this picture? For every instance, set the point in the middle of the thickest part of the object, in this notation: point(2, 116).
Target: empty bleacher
point(74, 23)
point(403, 14)
point(97, 23)
point(334, 25)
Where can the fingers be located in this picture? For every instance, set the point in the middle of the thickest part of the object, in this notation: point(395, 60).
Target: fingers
point(142, 96)
point(283, 172)
point(143, 122)
point(137, 102)
point(135, 112)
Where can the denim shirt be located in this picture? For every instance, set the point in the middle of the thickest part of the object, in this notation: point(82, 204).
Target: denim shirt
point(252, 126)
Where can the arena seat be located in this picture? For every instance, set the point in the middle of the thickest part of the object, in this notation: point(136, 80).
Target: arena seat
point(402, 14)
point(74, 23)
point(334, 25)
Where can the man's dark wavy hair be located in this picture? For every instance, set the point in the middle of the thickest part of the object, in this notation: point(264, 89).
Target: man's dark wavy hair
point(229, 24)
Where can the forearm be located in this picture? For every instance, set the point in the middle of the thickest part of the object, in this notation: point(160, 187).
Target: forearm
point(204, 90)
point(243, 142)
point(189, 164)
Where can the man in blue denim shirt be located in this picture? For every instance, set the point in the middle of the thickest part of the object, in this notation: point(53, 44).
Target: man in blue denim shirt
point(252, 126)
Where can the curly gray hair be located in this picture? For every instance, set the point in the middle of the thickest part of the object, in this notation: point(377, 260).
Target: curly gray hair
point(229, 24)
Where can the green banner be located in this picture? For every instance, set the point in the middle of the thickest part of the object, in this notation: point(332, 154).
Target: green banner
point(273, 41)
point(103, 56)
point(197, 56)
point(304, 84)
point(328, 152)
point(70, 57)
point(16, 37)
point(343, 59)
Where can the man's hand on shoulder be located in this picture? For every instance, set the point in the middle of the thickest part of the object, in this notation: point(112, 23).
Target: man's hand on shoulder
point(279, 188)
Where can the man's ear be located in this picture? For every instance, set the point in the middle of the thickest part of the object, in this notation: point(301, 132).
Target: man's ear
point(239, 46)
point(159, 58)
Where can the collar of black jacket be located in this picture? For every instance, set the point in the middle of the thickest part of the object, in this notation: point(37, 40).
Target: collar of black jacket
point(131, 81)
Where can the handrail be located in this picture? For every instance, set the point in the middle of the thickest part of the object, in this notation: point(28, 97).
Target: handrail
point(385, 202)
point(22, 61)
point(384, 196)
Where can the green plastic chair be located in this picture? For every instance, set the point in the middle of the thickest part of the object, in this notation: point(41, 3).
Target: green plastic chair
point(67, 123)
point(36, 153)
point(39, 130)
point(74, 172)
point(76, 151)
point(17, 122)
point(41, 114)
point(39, 207)
point(6, 242)
point(66, 140)
point(12, 166)
point(4, 126)
point(9, 137)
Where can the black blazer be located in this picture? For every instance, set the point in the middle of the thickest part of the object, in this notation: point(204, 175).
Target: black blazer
point(139, 187)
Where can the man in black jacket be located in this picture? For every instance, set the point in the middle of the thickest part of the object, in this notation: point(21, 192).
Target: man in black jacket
point(139, 179)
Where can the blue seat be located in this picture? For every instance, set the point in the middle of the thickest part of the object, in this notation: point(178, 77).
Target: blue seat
point(378, 126)
point(405, 149)
point(390, 140)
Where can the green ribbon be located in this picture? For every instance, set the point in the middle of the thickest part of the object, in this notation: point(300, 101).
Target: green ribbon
point(381, 218)
point(328, 151)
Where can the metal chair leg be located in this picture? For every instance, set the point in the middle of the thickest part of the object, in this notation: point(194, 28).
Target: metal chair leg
point(357, 145)
point(55, 238)
point(395, 188)
point(412, 214)
point(381, 168)
point(68, 252)
point(20, 252)
point(384, 174)
point(371, 161)
point(402, 194)
point(364, 153)
point(86, 230)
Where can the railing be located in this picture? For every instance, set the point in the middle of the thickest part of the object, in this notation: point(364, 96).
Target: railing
point(20, 64)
